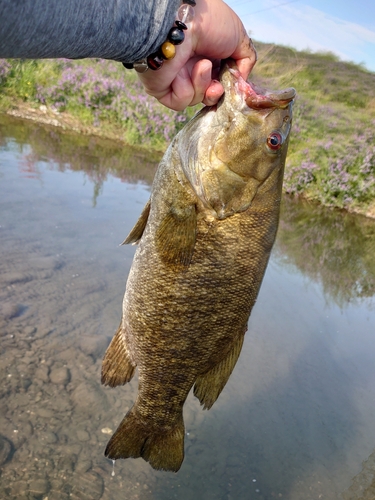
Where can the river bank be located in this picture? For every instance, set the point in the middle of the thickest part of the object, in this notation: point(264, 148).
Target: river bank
point(331, 156)
point(49, 116)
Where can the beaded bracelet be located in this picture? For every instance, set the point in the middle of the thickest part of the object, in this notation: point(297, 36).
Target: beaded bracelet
point(167, 50)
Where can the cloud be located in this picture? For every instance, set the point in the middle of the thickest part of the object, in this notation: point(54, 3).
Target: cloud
point(303, 27)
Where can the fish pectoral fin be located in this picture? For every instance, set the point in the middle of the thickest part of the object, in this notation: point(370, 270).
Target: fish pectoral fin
point(175, 236)
point(162, 448)
point(136, 233)
point(209, 385)
point(117, 367)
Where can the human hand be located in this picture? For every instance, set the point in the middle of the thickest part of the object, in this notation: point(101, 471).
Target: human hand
point(216, 33)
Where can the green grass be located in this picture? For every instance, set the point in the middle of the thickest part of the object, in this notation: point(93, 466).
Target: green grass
point(332, 149)
point(96, 93)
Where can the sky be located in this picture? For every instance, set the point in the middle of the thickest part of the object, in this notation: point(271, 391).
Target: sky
point(344, 27)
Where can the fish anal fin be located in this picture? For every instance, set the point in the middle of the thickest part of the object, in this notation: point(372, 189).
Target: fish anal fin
point(117, 367)
point(163, 448)
point(176, 234)
point(136, 233)
point(209, 385)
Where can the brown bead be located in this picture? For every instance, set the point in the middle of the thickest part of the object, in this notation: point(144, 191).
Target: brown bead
point(140, 66)
point(154, 61)
point(168, 50)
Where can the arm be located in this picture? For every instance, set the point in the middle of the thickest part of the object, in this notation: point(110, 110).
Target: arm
point(216, 33)
point(122, 30)
point(129, 30)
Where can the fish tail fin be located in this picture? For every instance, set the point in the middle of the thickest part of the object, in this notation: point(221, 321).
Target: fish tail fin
point(117, 367)
point(209, 385)
point(162, 448)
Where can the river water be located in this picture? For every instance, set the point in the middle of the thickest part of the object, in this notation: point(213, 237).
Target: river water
point(296, 419)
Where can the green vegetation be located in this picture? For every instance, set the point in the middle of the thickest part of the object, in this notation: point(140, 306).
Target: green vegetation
point(332, 149)
point(99, 97)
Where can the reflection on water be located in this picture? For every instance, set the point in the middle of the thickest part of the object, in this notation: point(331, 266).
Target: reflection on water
point(295, 420)
point(98, 158)
point(335, 250)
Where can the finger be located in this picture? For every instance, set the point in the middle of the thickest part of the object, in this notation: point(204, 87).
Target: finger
point(213, 93)
point(245, 54)
point(181, 92)
point(245, 66)
point(201, 76)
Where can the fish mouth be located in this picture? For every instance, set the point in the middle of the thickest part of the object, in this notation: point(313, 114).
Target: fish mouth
point(260, 98)
point(254, 96)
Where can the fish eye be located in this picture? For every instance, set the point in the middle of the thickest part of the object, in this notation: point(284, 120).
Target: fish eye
point(274, 141)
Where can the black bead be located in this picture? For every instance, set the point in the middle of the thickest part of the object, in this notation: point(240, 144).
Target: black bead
point(176, 36)
point(128, 65)
point(180, 25)
point(191, 2)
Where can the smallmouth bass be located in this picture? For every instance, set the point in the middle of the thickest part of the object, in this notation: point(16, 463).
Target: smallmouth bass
point(204, 240)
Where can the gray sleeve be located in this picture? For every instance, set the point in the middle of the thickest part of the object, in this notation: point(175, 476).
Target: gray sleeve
point(122, 30)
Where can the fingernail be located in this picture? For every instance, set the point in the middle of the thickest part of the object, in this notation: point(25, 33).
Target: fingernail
point(252, 46)
point(213, 94)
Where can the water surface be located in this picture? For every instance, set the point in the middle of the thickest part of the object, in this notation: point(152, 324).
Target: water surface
point(296, 419)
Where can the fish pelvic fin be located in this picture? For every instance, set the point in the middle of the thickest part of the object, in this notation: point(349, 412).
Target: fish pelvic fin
point(136, 233)
point(117, 367)
point(176, 234)
point(162, 447)
point(209, 385)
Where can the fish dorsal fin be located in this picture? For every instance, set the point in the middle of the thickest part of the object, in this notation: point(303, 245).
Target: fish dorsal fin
point(136, 233)
point(175, 236)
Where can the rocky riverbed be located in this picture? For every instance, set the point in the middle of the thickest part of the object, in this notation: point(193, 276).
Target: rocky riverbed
point(55, 416)
point(62, 278)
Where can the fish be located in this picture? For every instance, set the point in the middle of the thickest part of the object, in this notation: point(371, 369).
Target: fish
point(204, 240)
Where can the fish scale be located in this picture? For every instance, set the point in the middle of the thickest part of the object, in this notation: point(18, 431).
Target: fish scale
point(204, 240)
